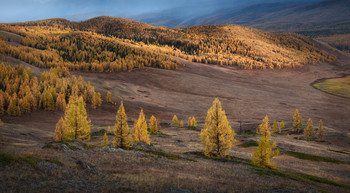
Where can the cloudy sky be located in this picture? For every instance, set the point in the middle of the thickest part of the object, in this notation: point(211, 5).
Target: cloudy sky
point(26, 10)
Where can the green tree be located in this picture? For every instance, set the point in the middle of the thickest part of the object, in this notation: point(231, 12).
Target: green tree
point(105, 140)
point(175, 121)
point(122, 136)
point(320, 131)
point(153, 125)
point(109, 97)
point(217, 136)
point(264, 152)
point(139, 130)
point(309, 130)
point(59, 131)
point(77, 126)
point(297, 121)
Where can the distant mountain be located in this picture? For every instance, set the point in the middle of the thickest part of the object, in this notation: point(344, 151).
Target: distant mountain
point(279, 17)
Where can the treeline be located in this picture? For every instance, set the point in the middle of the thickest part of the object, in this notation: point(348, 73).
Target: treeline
point(77, 50)
point(21, 92)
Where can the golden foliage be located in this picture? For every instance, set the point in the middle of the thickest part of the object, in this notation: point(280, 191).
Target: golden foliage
point(297, 121)
point(309, 130)
point(105, 140)
point(153, 125)
point(264, 152)
point(217, 136)
point(175, 121)
point(122, 137)
point(139, 131)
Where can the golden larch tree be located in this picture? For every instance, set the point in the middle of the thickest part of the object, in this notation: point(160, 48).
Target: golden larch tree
point(139, 131)
point(181, 124)
point(175, 121)
point(274, 127)
point(109, 97)
point(297, 121)
point(105, 140)
point(59, 131)
point(309, 130)
point(77, 126)
point(122, 137)
point(321, 131)
point(153, 125)
point(217, 136)
point(265, 150)
point(282, 126)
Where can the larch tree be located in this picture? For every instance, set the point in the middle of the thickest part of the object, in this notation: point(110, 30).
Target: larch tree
point(59, 131)
point(193, 122)
point(309, 130)
point(139, 131)
point(297, 121)
point(320, 131)
point(122, 136)
point(265, 150)
point(175, 121)
point(274, 127)
point(77, 126)
point(217, 136)
point(181, 124)
point(153, 125)
point(105, 140)
point(282, 126)
point(109, 97)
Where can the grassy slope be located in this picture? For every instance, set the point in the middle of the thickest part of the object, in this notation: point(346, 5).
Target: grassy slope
point(337, 86)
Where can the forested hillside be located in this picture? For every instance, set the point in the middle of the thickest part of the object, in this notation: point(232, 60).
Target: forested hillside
point(106, 44)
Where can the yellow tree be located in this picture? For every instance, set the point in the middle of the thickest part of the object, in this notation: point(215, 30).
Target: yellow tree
point(153, 125)
point(217, 136)
point(59, 131)
point(274, 127)
point(109, 97)
point(122, 137)
point(105, 140)
point(264, 152)
point(297, 122)
point(139, 131)
point(192, 122)
point(175, 121)
point(77, 126)
point(309, 130)
point(181, 124)
point(282, 126)
point(320, 131)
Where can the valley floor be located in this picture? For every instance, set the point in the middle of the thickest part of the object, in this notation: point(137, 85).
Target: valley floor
point(189, 91)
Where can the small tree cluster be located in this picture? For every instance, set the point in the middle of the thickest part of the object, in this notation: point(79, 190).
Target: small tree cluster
point(139, 131)
point(192, 122)
point(75, 124)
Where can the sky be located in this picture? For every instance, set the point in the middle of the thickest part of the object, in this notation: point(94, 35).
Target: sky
point(28, 10)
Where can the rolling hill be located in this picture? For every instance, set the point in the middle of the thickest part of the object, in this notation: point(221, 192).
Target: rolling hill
point(108, 44)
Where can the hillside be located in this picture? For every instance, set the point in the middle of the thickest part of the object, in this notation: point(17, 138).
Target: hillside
point(281, 17)
point(124, 41)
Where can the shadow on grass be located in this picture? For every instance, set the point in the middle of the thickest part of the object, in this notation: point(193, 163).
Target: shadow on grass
point(301, 177)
